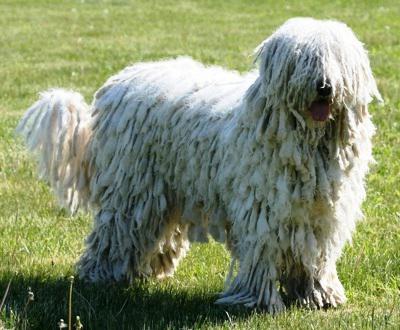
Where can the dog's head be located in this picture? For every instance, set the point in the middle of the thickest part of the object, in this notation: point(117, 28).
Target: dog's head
point(316, 70)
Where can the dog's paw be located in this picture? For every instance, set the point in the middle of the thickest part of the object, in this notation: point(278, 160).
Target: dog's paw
point(269, 301)
point(319, 297)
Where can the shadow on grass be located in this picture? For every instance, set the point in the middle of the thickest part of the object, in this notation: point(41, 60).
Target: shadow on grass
point(142, 305)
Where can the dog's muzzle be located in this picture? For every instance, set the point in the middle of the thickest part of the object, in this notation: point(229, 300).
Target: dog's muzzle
point(320, 109)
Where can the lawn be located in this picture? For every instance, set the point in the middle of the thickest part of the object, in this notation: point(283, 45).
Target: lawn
point(77, 45)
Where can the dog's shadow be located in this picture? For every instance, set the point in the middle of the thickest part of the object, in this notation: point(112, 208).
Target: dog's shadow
point(140, 305)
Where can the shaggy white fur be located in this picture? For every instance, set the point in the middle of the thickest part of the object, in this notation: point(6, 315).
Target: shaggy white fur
point(271, 162)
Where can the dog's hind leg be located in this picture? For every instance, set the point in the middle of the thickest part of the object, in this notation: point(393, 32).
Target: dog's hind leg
point(108, 249)
point(120, 248)
point(161, 259)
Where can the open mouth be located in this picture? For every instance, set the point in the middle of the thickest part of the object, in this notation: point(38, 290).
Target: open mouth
point(320, 110)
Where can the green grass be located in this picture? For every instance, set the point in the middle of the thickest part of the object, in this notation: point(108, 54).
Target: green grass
point(78, 44)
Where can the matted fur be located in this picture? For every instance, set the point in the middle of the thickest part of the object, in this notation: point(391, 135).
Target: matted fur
point(172, 151)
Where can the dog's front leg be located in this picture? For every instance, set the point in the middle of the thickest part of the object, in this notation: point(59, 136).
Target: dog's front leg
point(255, 284)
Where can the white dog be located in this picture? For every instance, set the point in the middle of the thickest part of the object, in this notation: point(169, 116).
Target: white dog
point(271, 162)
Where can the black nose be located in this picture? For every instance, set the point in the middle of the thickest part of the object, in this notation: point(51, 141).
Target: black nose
point(324, 88)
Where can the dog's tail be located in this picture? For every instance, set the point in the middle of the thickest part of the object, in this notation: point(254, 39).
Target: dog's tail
point(57, 128)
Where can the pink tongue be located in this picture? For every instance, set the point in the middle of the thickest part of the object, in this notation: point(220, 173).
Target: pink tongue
point(320, 110)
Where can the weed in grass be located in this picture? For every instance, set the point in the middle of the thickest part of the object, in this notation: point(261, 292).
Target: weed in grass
point(3, 300)
point(71, 281)
point(78, 323)
point(23, 322)
point(62, 325)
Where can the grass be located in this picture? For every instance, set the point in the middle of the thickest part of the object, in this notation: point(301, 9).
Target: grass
point(78, 44)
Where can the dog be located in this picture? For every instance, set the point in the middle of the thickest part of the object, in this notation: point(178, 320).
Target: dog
point(271, 163)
